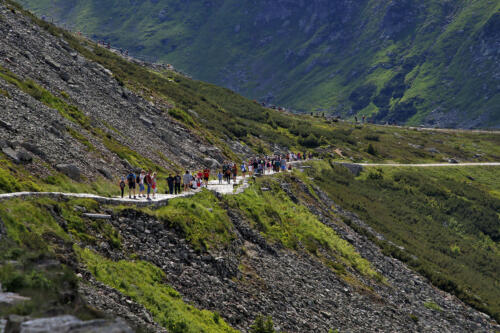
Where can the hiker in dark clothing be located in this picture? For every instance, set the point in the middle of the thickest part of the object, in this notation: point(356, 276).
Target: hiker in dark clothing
point(177, 184)
point(170, 183)
point(131, 180)
point(122, 186)
point(228, 174)
point(234, 170)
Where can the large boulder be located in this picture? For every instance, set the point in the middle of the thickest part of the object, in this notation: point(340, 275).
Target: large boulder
point(355, 169)
point(211, 162)
point(106, 173)
point(70, 170)
point(18, 156)
point(11, 153)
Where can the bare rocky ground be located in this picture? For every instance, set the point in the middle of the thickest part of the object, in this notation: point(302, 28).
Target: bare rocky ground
point(31, 129)
point(253, 276)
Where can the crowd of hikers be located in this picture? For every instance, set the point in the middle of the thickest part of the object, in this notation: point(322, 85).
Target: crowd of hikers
point(147, 183)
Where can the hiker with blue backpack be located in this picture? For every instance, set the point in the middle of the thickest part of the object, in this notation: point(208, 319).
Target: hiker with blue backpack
point(131, 180)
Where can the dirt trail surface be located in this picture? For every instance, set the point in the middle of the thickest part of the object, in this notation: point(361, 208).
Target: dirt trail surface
point(427, 165)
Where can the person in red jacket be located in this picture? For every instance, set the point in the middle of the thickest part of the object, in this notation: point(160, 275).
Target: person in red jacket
point(206, 176)
point(148, 181)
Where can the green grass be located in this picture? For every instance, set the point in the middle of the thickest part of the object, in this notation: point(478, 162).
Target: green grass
point(201, 219)
point(446, 219)
point(432, 306)
point(315, 75)
point(146, 284)
point(81, 138)
point(282, 221)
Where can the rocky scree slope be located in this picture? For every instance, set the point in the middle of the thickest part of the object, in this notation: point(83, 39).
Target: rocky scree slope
point(66, 113)
point(251, 274)
point(421, 62)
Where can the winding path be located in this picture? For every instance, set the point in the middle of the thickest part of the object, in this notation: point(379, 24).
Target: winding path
point(224, 188)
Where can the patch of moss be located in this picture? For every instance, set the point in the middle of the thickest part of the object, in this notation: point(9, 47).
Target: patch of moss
point(26, 221)
point(433, 306)
point(14, 178)
point(145, 284)
point(81, 138)
point(4, 93)
point(201, 218)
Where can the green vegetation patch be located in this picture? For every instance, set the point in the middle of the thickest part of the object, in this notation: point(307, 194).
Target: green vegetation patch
point(27, 221)
point(201, 218)
point(81, 138)
point(14, 178)
point(281, 220)
point(433, 306)
point(146, 284)
point(445, 219)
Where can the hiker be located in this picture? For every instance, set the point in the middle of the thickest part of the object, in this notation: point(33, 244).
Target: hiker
point(228, 173)
point(235, 172)
point(131, 180)
point(356, 119)
point(250, 168)
point(154, 185)
point(363, 119)
point(206, 176)
point(170, 183)
point(177, 184)
point(148, 181)
point(122, 185)
point(219, 176)
point(187, 179)
point(243, 169)
point(283, 165)
point(140, 181)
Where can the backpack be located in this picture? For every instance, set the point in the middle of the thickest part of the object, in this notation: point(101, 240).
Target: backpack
point(131, 178)
point(122, 184)
point(138, 179)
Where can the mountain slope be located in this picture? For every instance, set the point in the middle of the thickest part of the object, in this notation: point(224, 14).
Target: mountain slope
point(75, 117)
point(418, 62)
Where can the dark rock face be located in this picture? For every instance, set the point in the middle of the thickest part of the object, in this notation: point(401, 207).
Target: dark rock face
point(70, 170)
point(353, 168)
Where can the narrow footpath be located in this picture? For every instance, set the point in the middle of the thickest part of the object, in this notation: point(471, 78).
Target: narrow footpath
point(228, 189)
point(161, 199)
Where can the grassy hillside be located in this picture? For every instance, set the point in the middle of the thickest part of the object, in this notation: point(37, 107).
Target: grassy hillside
point(409, 62)
point(221, 116)
point(444, 222)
